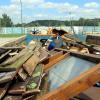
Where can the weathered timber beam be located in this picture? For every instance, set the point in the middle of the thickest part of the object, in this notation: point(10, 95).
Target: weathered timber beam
point(20, 61)
point(75, 86)
point(31, 63)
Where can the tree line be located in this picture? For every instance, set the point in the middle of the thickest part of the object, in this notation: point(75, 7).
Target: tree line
point(80, 22)
point(6, 21)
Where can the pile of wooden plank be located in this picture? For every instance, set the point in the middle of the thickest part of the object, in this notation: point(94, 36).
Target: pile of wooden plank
point(20, 72)
point(73, 44)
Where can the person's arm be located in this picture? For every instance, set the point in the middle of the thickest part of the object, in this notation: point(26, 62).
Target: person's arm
point(67, 39)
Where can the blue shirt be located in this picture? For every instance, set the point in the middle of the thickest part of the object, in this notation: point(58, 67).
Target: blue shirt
point(58, 41)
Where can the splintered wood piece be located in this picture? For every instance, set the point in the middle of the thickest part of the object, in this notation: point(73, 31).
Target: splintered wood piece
point(30, 65)
point(18, 88)
point(6, 77)
point(8, 97)
point(22, 74)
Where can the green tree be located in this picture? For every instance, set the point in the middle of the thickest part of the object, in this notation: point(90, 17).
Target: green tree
point(6, 21)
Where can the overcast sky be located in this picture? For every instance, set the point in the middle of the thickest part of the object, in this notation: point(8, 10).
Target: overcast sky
point(50, 9)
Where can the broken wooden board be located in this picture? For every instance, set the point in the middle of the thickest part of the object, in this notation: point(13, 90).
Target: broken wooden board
point(17, 88)
point(35, 81)
point(22, 74)
point(6, 77)
point(3, 90)
point(30, 65)
point(21, 60)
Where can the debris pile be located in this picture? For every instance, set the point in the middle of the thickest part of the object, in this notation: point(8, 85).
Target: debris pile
point(21, 72)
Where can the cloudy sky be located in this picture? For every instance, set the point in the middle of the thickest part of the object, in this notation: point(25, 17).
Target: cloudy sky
point(50, 9)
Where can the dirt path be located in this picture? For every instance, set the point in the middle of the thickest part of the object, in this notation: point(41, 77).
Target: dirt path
point(5, 40)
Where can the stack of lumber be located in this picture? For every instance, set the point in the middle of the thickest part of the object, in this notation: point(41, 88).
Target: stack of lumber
point(21, 73)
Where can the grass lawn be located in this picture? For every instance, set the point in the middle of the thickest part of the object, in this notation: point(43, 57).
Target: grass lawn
point(10, 35)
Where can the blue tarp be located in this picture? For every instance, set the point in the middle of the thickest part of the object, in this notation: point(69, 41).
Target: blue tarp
point(67, 70)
